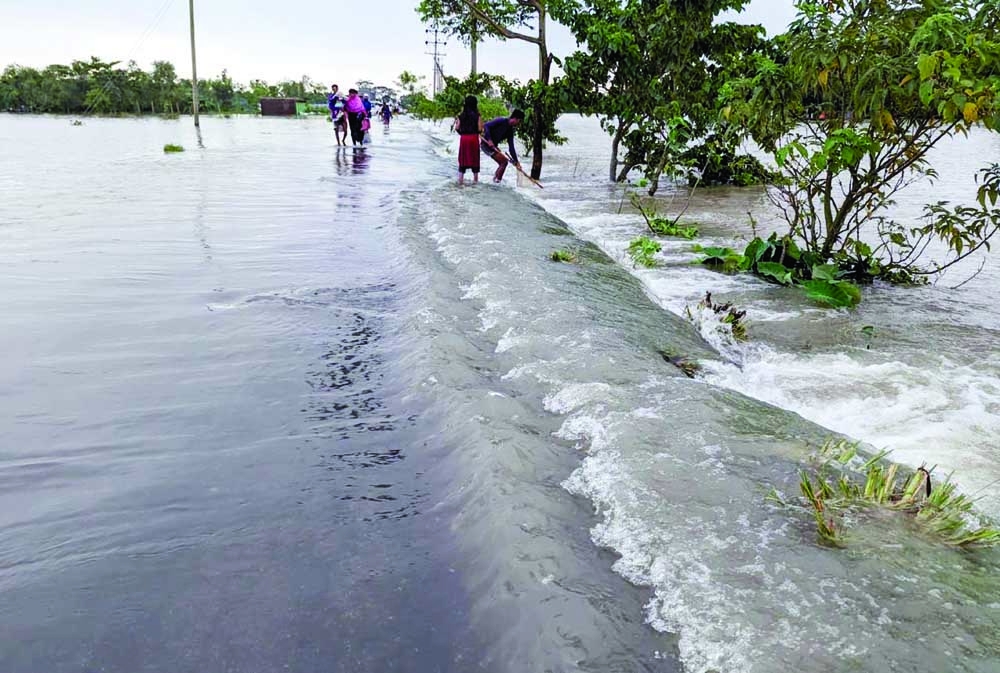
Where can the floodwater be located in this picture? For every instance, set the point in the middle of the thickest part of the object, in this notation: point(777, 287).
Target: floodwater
point(273, 405)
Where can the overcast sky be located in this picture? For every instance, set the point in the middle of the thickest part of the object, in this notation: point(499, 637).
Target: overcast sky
point(333, 41)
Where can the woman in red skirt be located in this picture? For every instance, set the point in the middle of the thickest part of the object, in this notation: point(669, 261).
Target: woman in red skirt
point(469, 126)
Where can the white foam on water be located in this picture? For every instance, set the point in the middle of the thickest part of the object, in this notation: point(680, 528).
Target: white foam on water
point(740, 598)
point(945, 412)
point(575, 395)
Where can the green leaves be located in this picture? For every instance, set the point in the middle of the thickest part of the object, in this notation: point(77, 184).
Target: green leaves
point(775, 272)
point(824, 272)
point(835, 294)
point(937, 508)
point(642, 249)
point(927, 65)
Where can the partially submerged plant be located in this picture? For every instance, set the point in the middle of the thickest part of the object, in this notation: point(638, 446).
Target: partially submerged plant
point(642, 249)
point(562, 256)
point(690, 368)
point(662, 226)
point(169, 147)
point(939, 509)
point(779, 260)
point(729, 316)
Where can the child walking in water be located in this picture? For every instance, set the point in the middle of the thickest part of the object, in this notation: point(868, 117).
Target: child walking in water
point(335, 102)
point(469, 125)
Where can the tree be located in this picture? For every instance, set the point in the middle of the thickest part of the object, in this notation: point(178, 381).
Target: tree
point(412, 85)
point(863, 91)
point(653, 71)
point(500, 18)
point(163, 82)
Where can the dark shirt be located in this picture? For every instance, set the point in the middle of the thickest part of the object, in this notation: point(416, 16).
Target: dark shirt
point(331, 100)
point(498, 130)
point(468, 124)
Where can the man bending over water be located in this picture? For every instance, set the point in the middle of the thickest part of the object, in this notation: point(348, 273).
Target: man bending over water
point(494, 133)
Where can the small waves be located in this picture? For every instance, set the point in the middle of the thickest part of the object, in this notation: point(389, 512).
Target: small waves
point(678, 469)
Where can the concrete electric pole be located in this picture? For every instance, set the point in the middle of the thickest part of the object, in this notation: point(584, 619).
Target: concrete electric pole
point(194, 68)
point(438, 81)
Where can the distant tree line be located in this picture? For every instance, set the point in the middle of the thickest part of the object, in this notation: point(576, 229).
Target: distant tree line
point(103, 87)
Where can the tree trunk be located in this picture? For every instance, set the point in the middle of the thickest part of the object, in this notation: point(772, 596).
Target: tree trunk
point(538, 132)
point(654, 182)
point(615, 143)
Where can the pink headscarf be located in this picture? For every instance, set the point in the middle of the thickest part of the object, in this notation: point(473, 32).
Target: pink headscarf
point(354, 103)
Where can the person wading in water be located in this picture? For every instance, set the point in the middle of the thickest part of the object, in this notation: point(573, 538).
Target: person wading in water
point(355, 108)
point(469, 124)
point(335, 102)
point(494, 133)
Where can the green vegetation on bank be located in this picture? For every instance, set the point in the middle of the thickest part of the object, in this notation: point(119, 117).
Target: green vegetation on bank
point(170, 147)
point(448, 103)
point(104, 87)
point(850, 102)
point(779, 260)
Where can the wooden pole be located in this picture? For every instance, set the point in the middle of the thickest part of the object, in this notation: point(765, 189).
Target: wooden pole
point(194, 67)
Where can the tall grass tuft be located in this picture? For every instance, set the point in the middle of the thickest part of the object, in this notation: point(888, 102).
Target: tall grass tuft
point(939, 509)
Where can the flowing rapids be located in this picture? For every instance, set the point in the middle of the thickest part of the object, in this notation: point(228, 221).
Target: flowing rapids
point(270, 405)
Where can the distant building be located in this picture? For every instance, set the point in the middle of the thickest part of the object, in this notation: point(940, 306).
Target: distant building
point(281, 107)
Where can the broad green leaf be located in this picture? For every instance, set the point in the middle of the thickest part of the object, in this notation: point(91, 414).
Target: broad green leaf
point(754, 250)
point(775, 271)
point(824, 272)
point(927, 64)
point(836, 294)
point(926, 92)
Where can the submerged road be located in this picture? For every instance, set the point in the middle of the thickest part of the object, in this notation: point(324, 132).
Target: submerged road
point(237, 391)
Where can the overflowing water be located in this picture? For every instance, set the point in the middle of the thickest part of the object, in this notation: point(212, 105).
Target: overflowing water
point(271, 405)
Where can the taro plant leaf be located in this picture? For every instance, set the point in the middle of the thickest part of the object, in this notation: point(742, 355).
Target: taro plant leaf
point(776, 272)
point(755, 250)
point(836, 294)
point(714, 255)
point(824, 272)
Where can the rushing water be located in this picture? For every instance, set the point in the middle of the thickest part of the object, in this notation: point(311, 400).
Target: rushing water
point(271, 405)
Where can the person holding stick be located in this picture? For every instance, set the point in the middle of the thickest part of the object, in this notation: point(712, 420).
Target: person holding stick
point(494, 133)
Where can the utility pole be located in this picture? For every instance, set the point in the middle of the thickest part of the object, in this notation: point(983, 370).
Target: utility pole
point(194, 68)
point(475, 40)
point(438, 72)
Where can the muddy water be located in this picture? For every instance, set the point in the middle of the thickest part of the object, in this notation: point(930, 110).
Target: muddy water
point(270, 405)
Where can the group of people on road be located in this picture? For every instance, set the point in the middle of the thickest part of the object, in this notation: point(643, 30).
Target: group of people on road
point(476, 136)
point(353, 114)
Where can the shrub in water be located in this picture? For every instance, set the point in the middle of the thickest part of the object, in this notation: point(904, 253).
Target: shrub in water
point(642, 249)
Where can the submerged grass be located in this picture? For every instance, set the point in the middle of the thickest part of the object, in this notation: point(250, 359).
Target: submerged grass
point(562, 256)
point(939, 510)
point(170, 147)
